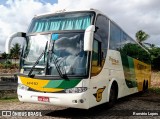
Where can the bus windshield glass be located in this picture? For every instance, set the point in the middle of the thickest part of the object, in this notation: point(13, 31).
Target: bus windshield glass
point(67, 50)
point(61, 21)
point(36, 46)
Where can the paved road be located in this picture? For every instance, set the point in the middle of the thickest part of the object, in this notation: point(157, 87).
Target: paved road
point(125, 106)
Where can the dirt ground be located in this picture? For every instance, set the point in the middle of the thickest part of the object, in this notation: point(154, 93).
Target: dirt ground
point(155, 79)
point(123, 109)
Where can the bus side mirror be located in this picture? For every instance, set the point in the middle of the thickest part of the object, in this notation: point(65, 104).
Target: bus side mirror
point(10, 38)
point(88, 38)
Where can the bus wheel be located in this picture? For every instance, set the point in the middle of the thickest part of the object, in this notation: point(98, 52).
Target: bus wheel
point(145, 86)
point(113, 95)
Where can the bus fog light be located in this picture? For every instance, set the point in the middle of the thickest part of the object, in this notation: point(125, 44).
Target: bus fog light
point(81, 101)
point(19, 96)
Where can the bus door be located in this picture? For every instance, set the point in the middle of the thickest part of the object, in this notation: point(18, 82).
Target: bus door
point(97, 81)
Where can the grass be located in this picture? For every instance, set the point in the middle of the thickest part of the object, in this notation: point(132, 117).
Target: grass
point(8, 97)
point(155, 90)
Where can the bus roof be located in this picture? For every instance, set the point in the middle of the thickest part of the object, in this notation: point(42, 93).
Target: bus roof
point(68, 11)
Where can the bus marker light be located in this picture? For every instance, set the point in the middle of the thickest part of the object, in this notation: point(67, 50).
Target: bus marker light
point(74, 101)
point(19, 96)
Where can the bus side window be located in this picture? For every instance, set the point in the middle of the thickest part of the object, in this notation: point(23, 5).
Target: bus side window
point(96, 58)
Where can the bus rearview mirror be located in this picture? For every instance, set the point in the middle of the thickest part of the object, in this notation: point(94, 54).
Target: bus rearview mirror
point(88, 38)
point(10, 38)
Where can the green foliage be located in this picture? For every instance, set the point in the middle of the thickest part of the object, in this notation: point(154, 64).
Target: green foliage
point(7, 64)
point(8, 96)
point(141, 36)
point(135, 51)
point(15, 51)
point(154, 51)
point(155, 90)
point(4, 55)
point(1, 66)
point(155, 58)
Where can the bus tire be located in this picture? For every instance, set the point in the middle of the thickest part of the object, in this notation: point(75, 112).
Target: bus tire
point(113, 94)
point(145, 86)
point(144, 83)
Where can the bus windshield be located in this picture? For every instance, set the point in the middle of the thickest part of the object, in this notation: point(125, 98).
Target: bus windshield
point(36, 45)
point(62, 21)
point(67, 50)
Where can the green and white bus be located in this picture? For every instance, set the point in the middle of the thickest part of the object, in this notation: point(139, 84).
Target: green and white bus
point(79, 59)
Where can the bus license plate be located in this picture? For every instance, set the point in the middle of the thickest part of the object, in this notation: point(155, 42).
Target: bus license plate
point(43, 99)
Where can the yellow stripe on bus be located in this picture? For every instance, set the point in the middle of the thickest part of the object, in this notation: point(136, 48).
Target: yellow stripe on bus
point(142, 72)
point(38, 84)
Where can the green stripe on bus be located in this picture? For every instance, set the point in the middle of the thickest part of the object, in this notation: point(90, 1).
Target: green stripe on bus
point(64, 84)
point(131, 68)
point(129, 71)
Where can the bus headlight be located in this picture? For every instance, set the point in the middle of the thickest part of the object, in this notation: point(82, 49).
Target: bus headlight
point(22, 87)
point(76, 90)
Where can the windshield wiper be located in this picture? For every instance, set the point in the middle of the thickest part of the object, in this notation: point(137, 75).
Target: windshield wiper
point(62, 75)
point(37, 61)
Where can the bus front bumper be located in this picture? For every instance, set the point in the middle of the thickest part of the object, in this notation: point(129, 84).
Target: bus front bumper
point(75, 100)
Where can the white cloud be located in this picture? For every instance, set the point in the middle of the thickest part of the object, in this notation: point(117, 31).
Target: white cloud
point(16, 16)
point(131, 15)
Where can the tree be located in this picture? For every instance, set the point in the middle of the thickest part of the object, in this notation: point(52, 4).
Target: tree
point(141, 36)
point(151, 46)
point(4, 55)
point(15, 51)
point(135, 51)
point(155, 58)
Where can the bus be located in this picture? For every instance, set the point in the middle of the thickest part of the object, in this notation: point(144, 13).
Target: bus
point(79, 59)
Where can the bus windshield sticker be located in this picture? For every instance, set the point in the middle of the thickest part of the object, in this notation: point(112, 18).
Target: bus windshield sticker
point(54, 36)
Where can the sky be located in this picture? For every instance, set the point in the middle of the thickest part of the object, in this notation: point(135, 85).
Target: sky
point(130, 15)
